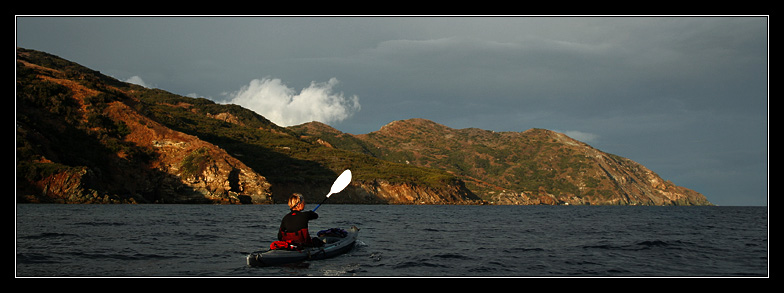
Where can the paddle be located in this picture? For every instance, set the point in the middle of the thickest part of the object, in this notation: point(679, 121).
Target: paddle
point(343, 180)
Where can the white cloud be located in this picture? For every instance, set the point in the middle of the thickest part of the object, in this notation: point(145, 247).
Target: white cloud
point(285, 107)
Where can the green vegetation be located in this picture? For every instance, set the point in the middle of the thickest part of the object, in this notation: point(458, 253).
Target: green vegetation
point(195, 162)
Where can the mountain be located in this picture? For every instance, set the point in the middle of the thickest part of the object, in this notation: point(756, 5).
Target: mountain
point(536, 166)
point(83, 137)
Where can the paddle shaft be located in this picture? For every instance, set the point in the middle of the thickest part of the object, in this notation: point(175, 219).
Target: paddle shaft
point(325, 199)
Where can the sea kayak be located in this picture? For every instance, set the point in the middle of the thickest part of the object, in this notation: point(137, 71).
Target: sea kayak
point(334, 244)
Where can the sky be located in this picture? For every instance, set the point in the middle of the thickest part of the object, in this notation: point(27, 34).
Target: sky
point(687, 97)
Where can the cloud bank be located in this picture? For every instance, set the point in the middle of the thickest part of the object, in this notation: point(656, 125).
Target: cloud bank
point(283, 106)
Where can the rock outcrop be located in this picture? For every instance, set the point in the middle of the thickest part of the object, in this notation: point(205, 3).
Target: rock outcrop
point(383, 192)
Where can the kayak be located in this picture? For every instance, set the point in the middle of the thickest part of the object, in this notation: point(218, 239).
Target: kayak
point(334, 244)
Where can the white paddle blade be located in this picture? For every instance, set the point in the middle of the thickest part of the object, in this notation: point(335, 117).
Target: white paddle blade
point(343, 180)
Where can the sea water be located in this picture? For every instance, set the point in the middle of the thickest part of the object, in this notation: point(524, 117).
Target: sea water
point(432, 240)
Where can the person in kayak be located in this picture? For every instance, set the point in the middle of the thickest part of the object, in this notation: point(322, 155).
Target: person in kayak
point(294, 226)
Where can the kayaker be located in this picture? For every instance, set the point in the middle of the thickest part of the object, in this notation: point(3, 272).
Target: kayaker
point(294, 226)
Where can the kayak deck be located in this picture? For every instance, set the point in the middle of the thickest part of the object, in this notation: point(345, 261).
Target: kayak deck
point(333, 246)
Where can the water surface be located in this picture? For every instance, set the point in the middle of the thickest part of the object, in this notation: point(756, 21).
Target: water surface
point(213, 240)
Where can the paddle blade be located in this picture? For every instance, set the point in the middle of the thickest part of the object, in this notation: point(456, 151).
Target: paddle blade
point(343, 180)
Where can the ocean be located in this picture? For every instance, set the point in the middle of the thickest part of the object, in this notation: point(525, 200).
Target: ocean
point(54, 240)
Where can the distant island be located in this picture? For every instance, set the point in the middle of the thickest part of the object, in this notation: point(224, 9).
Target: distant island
point(83, 137)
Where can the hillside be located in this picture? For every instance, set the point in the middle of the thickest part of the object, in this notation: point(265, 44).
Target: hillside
point(536, 166)
point(82, 137)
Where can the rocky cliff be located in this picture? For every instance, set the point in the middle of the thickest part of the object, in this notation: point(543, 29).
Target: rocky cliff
point(82, 137)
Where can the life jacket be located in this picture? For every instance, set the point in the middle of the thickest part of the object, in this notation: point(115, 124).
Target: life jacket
point(301, 236)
